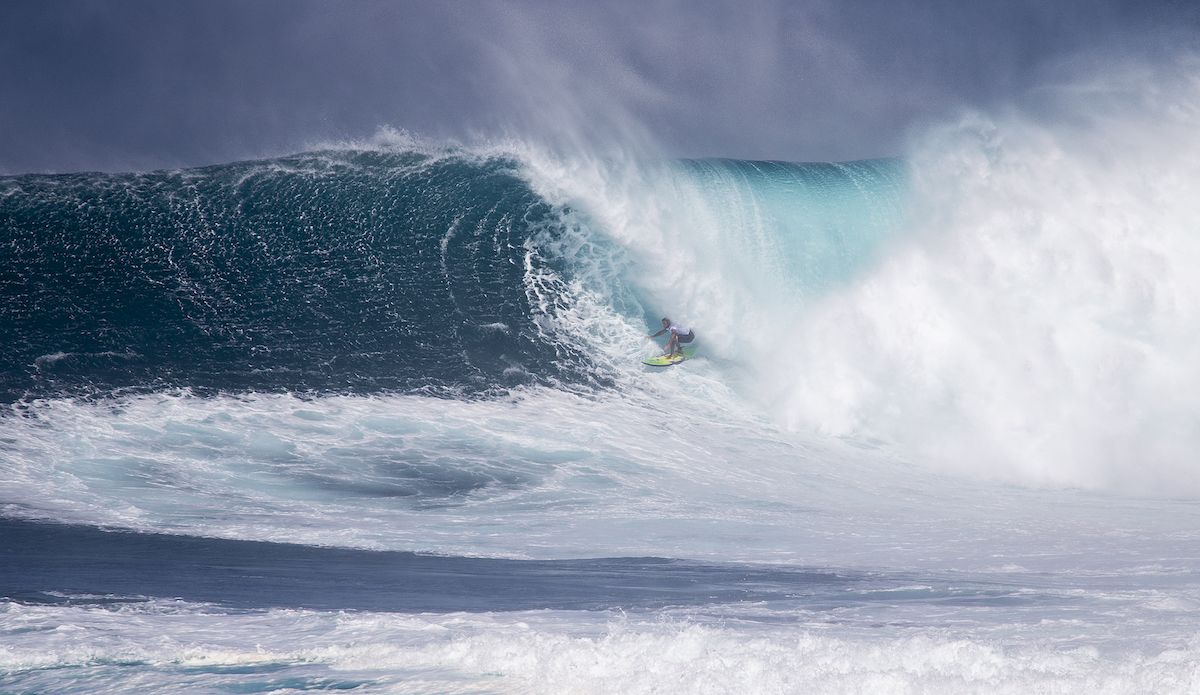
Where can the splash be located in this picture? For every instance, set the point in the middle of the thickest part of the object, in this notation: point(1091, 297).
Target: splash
point(1037, 324)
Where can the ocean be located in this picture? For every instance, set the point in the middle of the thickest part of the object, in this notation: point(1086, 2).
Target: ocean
point(373, 419)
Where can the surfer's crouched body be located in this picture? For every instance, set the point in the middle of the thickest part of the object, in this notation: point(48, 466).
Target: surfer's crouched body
point(679, 334)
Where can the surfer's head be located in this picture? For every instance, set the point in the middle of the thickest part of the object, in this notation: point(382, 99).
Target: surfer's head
point(666, 322)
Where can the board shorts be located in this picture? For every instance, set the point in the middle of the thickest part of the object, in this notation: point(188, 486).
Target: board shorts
point(691, 335)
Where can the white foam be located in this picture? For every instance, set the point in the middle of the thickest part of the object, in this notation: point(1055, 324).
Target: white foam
point(543, 473)
point(1038, 327)
point(675, 471)
point(160, 647)
point(1036, 323)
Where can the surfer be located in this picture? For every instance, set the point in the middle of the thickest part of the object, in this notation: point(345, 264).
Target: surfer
point(679, 334)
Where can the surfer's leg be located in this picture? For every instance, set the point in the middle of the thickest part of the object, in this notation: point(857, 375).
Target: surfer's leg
point(680, 340)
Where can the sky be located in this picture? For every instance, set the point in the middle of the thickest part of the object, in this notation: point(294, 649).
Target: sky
point(136, 85)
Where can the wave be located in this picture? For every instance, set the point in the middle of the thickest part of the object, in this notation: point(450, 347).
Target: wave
point(352, 271)
point(360, 271)
point(1009, 301)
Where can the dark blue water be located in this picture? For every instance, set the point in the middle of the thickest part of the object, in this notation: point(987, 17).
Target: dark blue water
point(48, 563)
point(350, 272)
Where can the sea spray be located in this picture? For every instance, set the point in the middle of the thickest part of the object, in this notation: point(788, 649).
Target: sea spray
point(732, 246)
point(1037, 323)
point(1013, 301)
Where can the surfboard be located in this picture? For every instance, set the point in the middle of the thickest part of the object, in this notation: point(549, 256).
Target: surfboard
point(664, 361)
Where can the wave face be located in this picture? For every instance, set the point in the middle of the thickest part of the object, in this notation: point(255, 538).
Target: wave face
point(803, 229)
point(347, 271)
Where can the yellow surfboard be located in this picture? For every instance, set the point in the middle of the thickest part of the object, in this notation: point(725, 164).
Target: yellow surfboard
point(665, 361)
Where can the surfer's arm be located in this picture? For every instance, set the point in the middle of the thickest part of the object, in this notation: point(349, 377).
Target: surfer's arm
point(657, 334)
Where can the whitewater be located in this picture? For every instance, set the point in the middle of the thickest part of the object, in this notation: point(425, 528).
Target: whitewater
point(373, 418)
